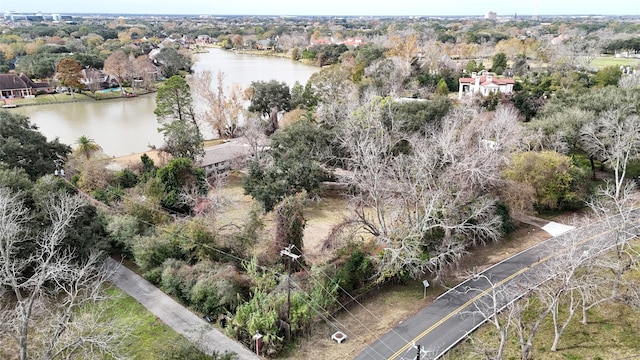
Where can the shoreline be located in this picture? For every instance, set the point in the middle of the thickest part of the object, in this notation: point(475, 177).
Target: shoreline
point(86, 98)
point(265, 53)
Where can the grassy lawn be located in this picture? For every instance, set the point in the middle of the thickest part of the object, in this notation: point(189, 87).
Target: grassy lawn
point(612, 333)
point(83, 96)
point(604, 61)
point(52, 98)
point(150, 339)
point(213, 142)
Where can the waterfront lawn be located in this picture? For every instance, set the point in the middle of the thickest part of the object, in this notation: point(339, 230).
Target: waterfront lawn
point(51, 99)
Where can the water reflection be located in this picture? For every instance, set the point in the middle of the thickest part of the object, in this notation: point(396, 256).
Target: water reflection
point(126, 126)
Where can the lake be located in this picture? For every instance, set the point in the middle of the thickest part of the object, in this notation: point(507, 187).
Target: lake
point(126, 126)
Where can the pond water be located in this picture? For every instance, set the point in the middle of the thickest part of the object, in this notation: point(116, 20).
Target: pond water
point(125, 126)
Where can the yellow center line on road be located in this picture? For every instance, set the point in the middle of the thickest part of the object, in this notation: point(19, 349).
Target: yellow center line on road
point(486, 292)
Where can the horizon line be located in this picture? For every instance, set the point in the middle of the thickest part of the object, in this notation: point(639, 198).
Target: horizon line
point(309, 15)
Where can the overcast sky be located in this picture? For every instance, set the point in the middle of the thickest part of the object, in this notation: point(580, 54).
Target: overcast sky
point(327, 7)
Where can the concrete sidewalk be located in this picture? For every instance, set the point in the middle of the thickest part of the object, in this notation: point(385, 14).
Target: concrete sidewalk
point(196, 330)
point(555, 229)
point(551, 227)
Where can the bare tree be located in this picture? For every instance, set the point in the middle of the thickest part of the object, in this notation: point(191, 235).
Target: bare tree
point(561, 290)
point(221, 110)
point(616, 211)
point(336, 94)
point(496, 308)
point(613, 137)
point(120, 66)
point(630, 81)
point(431, 195)
point(49, 300)
point(254, 133)
point(145, 69)
point(526, 326)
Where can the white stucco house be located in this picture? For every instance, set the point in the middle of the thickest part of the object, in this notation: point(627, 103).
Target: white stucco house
point(484, 84)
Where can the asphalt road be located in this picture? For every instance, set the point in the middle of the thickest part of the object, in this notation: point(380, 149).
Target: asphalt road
point(199, 332)
point(451, 317)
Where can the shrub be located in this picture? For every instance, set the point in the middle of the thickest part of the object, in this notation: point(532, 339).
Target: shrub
point(556, 181)
point(125, 179)
point(152, 251)
point(356, 271)
point(122, 229)
point(204, 296)
point(178, 279)
point(108, 195)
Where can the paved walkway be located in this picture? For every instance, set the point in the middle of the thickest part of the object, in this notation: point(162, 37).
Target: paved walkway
point(199, 332)
point(553, 228)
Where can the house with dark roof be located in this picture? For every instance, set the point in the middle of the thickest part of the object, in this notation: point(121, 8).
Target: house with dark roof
point(222, 157)
point(95, 79)
point(484, 84)
point(232, 154)
point(19, 86)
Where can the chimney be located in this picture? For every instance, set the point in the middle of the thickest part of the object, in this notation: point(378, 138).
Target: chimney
point(473, 75)
point(489, 78)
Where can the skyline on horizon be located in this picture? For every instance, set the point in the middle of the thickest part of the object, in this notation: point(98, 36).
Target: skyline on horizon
point(326, 8)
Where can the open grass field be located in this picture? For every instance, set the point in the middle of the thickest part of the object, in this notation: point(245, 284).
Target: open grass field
point(321, 216)
point(604, 61)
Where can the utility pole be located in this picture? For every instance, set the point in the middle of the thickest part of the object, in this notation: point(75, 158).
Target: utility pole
point(419, 347)
point(287, 252)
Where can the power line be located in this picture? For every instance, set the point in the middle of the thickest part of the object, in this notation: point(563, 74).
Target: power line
point(243, 260)
point(344, 308)
point(359, 303)
point(335, 319)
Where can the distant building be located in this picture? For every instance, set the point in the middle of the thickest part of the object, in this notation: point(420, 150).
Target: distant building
point(35, 17)
point(491, 15)
point(353, 42)
point(484, 84)
point(19, 86)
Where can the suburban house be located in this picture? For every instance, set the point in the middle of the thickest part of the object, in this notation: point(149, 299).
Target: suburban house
point(224, 156)
point(204, 40)
point(484, 84)
point(353, 42)
point(95, 79)
point(19, 86)
point(265, 44)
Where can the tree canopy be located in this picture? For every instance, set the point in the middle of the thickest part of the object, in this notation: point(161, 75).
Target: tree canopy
point(174, 109)
point(265, 96)
point(499, 63)
point(172, 61)
point(70, 73)
point(293, 166)
point(556, 182)
point(23, 146)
